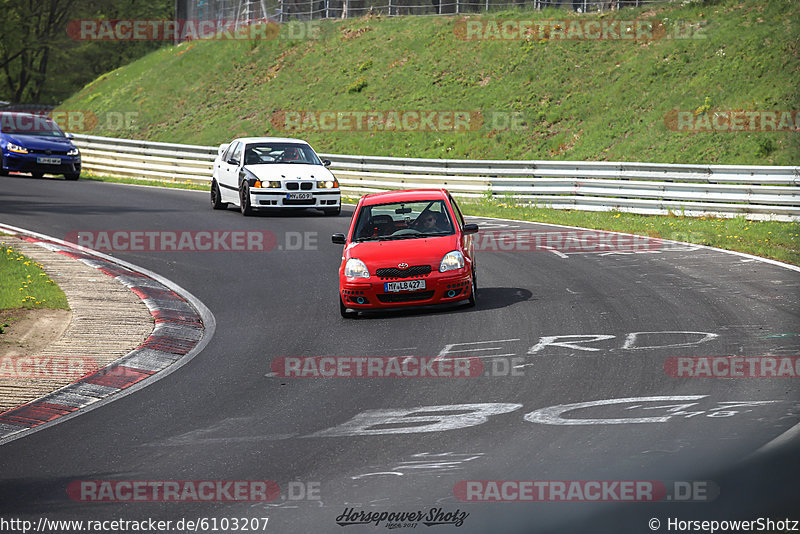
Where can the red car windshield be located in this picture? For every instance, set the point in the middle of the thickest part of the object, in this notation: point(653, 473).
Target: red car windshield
point(403, 220)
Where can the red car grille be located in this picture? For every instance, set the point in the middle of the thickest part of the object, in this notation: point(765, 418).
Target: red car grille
point(394, 272)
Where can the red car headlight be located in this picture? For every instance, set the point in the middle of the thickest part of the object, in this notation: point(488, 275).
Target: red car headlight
point(355, 268)
point(451, 261)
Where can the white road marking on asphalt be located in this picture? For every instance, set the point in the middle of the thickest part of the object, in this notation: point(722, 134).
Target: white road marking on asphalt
point(556, 252)
point(630, 339)
point(433, 462)
point(447, 348)
point(545, 341)
point(553, 414)
point(492, 356)
point(427, 419)
point(357, 477)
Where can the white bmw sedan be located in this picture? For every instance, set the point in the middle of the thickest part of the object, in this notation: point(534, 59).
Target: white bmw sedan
point(273, 172)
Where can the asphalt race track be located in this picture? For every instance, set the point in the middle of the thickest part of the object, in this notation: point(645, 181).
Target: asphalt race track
point(225, 417)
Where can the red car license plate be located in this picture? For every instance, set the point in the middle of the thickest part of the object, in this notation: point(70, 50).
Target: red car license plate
point(406, 285)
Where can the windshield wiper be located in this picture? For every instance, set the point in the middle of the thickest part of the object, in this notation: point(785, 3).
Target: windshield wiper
point(402, 236)
point(431, 234)
point(413, 236)
point(385, 237)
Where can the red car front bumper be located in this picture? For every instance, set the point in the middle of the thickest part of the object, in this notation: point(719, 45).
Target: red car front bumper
point(367, 294)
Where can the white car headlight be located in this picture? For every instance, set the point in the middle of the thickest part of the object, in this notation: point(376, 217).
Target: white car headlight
point(355, 268)
point(327, 184)
point(452, 260)
point(16, 148)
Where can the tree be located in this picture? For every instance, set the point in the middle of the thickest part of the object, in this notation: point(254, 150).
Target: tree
point(41, 63)
point(30, 29)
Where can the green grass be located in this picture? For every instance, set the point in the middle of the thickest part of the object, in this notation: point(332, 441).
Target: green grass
point(23, 283)
point(580, 100)
point(769, 239)
point(175, 184)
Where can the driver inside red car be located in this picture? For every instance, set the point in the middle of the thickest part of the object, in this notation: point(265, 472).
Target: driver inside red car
point(431, 222)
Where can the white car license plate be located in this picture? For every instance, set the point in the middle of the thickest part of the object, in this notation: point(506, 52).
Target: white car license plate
point(298, 196)
point(49, 161)
point(406, 285)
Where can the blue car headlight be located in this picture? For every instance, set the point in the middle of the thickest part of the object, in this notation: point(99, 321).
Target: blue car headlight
point(73, 152)
point(16, 148)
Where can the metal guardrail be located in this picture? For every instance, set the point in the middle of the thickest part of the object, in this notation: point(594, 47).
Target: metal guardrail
point(757, 192)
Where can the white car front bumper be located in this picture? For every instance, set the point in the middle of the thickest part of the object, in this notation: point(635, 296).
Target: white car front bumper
point(282, 198)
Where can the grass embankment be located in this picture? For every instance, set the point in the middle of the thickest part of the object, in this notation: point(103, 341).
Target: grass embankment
point(23, 283)
point(580, 100)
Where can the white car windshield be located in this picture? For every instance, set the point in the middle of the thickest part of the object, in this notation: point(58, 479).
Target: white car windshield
point(265, 153)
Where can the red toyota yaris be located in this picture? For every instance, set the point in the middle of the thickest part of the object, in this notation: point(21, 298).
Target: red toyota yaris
point(406, 248)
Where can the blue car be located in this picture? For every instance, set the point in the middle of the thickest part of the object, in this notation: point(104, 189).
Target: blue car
point(35, 144)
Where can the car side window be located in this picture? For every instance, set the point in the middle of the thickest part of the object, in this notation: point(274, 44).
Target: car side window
point(362, 227)
point(239, 153)
point(228, 150)
point(457, 210)
point(232, 151)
